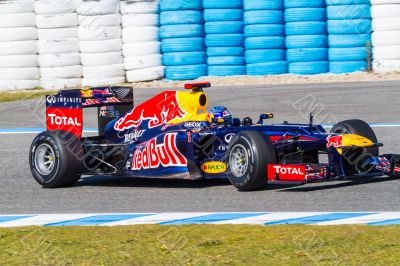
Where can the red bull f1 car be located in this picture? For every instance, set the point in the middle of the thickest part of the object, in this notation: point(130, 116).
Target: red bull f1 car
point(172, 135)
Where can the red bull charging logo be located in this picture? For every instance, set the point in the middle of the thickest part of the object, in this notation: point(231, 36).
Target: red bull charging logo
point(159, 110)
point(334, 141)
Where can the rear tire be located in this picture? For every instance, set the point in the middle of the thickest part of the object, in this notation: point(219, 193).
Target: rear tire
point(55, 159)
point(354, 158)
point(248, 156)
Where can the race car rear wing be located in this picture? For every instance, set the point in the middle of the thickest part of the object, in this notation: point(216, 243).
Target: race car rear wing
point(64, 111)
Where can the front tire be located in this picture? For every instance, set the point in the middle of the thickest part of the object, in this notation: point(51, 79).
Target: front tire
point(248, 156)
point(354, 159)
point(55, 159)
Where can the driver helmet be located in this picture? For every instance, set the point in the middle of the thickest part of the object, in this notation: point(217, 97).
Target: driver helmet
point(221, 115)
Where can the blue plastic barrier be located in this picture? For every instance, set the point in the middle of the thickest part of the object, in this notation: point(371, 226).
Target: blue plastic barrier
point(181, 17)
point(223, 14)
point(222, 4)
point(180, 5)
point(223, 27)
point(224, 37)
point(349, 28)
point(304, 3)
point(309, 68)
point(184, 58)
point(306, 28)
point(182, 39)
point(347, 66)
point(265, 55)
point(226, 70)
point(306, 40)
point(263, 5)
point(185, 72)
point(268, 68)
point(307, 54)
point(265, 37)
point(181, 31)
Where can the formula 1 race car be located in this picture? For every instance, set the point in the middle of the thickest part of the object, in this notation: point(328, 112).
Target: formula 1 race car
point(172, 135)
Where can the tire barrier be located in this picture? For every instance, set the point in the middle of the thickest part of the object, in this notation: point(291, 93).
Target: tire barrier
point(16, 6)
point(385, 36)
point(223, 26)
point(46, 43)
point(349, 28)
point(100, 42)
point(306, 40)
point(19, 67)
point(57, 24)
point(264, 33)
point(182, 39)
point(140, 35)
point(98, 7)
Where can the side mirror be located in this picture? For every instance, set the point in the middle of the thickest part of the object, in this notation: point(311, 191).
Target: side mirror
point(264, 117)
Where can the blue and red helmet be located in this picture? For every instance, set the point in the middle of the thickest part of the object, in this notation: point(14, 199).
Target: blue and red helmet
point(221, 115)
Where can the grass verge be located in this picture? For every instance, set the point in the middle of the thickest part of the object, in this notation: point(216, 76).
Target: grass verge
point(10, 96)
point(201, 245)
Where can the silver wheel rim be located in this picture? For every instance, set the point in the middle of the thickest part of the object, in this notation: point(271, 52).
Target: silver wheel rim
point(44, 159)
point(238, 160)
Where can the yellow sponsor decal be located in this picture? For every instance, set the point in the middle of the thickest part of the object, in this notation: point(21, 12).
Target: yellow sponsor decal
point(356, 140)
point(213, 167)
point(353, 140)
point(86, 93)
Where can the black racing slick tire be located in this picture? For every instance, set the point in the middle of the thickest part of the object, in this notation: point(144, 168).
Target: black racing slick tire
point(55, 159)
point(354, 159)
point(247, 159)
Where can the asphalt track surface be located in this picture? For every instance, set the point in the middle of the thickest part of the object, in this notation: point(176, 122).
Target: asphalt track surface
point(373, 102)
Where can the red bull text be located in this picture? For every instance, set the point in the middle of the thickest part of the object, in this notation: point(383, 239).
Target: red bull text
point(154, 155)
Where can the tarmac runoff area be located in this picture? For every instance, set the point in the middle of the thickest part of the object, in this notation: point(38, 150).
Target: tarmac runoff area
point(375, 102)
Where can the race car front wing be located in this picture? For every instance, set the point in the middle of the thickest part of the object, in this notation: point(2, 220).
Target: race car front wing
point(387, 164)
